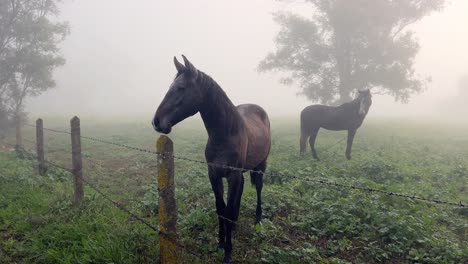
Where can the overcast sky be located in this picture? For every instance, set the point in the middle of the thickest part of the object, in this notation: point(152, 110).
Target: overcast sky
point(119, 55)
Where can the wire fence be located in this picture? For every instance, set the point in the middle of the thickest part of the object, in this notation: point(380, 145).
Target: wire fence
point(29, 155)
point(272, 174)
point(332, 184)
point(99, 140)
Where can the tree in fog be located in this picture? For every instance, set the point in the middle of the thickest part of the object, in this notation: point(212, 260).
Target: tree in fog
point(29, 52)
point(350, 44)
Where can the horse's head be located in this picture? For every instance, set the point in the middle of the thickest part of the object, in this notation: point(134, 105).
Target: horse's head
point(182, 100)
point(365, 101)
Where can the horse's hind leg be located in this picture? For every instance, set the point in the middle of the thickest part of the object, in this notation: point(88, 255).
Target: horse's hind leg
point(217, 186)
point(257, 179)
point(312, 138)
point(349, 145)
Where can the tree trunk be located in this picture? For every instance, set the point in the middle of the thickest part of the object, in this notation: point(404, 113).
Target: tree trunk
point(19, 137)
point(343, 60)
point(344, 92)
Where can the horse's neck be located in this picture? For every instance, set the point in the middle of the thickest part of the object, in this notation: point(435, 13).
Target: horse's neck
point(351, 110)
point(354, 109)
point(352, 106)
point(219, 114)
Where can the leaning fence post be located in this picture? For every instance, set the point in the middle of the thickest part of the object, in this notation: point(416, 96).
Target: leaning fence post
point(41, 167)
point(77, 161)
point(167, 202)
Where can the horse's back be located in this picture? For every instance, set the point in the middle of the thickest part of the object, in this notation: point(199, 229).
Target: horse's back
point(253, 111)
point(316, 114)
point(317, 110)
point(257, 126)
point(328, 117)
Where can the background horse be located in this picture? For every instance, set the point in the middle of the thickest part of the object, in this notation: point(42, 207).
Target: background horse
point(348, 116)
point(237, 136)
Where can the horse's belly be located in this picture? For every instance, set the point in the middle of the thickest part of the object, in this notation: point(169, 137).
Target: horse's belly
point(258, 147)
point(257, 130)
point(256, 155)
point(335, 122)
point(335, 127)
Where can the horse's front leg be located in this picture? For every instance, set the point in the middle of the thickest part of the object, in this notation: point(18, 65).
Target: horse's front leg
point(217, 186)
point(236, 187)
point(313, 137)
point(351, 133)
point(302, 143)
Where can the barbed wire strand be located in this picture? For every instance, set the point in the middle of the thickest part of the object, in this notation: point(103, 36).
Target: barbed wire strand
point(323, 182)
point(47, 147)
point(327, 182)
point(136, 217)
point(100, 140)
point(116, 204)
point(121, 207)
point(139, 219)
point(164, 155)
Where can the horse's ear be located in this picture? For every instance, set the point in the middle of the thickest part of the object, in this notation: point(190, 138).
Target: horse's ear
point(189, 66)
point(179, 66)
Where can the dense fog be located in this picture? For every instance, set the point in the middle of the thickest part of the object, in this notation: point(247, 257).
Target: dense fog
point(119, 56)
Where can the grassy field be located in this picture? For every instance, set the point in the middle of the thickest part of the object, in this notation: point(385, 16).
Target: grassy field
point(303, 222)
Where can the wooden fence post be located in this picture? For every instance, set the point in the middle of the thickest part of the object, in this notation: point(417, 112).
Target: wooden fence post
point(167, 202)
point(77, 161)
point(41, 167)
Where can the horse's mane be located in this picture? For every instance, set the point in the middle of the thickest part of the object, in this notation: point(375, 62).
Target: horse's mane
point(349, 103)
point(213, 89)
point(209, 84)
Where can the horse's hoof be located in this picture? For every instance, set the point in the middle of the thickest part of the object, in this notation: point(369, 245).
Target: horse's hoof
point(258, 220)
point(227, 260)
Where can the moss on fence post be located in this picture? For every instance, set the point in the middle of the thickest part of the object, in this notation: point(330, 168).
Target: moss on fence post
point(167, 202)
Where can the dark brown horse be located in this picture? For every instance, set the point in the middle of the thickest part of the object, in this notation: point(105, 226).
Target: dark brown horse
point(348, 116)
point(237, 136)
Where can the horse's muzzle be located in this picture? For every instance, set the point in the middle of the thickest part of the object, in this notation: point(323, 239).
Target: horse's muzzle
point(161, 127)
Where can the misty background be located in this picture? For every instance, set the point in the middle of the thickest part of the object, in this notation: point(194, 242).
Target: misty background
point(119, 56)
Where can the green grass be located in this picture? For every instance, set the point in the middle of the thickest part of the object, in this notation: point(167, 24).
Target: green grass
point(303, 222)
point(38, 224)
